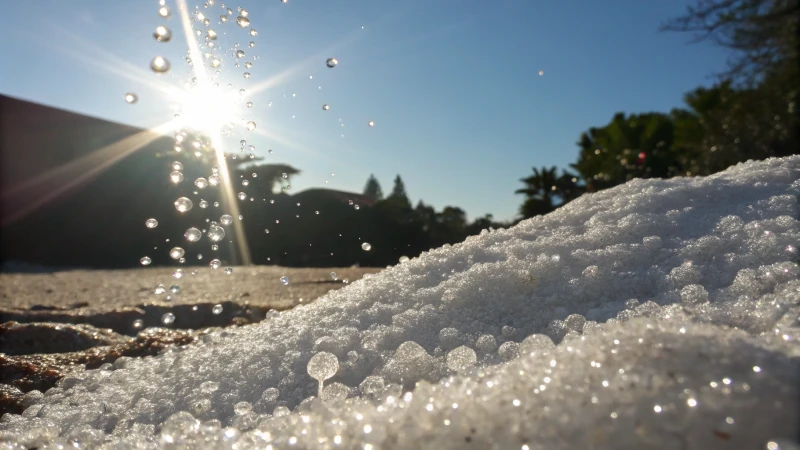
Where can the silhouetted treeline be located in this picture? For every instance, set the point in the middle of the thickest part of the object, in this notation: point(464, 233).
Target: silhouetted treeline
point(750, 113)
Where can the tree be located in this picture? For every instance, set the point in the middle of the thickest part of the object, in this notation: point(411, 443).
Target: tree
point(373, 189)
point(539, 190)
point(267, 175)
point(764, 39)
point(398, 194)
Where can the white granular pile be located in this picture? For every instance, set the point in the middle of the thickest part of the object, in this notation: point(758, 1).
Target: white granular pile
point(673, 306)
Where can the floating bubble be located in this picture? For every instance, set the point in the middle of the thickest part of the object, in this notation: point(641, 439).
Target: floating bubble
point(175, 289)
point(203, 204)
point(365, 246)
point(159, 65)
point(242, 195)
point(251, 125)
point(176, 253)
point(145, 260)
point(176, 165)
point(228, 270)
point(226, 219)
point(213, 180)
point(216, 233)
point(160, 289)
point(131, 97)
point(284, 280)
point(216, 309)
point(325, 107)
point(164, 12)
point(168, 319)
point(178, 273)
point(151, 223)
point(243, 21)
point(334, 276)
point(193, 234)
point(245, 182)
point(183, 204)
point(162, 34)
point(331, 62)
point(176, 177)
point(215, 263)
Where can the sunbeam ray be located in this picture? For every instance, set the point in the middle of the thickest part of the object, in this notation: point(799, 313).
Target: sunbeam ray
point(21, 200)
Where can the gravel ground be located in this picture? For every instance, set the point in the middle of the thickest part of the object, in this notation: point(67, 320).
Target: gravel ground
point(107, 290)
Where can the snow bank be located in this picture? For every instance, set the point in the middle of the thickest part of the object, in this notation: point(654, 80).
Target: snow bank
point(674, 304)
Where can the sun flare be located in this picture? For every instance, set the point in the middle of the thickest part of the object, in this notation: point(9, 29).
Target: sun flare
point(207, 109)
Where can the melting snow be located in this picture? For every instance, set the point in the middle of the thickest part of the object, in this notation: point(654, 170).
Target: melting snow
point(673, 305)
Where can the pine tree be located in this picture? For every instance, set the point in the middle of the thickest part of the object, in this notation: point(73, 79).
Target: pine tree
point(399, 192)
point(373, 189)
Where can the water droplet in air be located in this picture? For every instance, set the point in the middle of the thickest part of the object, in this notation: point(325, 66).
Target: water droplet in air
point(251, 125)
point(325, 107)
point(284, 280)
point(162, 34)
point(245, 182)
point(176, 253)
point(248, 65)
point(160, 289)
point(242, 195)
point(251, 44)
point(213, 180)
point(541, 72)
point(240, 53)
point(334, 276)
point(131, 97)
point(217, 309)
point(164, 12)
point(159, 65)
point(176, 165)
point(247, 75)
point(138, 323)
point(203, 204)
point(145, 260)
point(228, 270)
point(151, 223)
point(178, 274)
point(366, 246)
point(215, 263)
point(201, 183)
point(253, 32)
point(175, 289)
point(331, 62)
point(216, 233)
point(249, 104)
point(243, 21)
point(176, 177)
point(183, 204)
point(226, 219)
point(216, 62)
point(371, 123)
point(168, 319)
point(193, 234)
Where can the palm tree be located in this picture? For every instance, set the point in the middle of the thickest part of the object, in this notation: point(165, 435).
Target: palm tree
point(540, 189)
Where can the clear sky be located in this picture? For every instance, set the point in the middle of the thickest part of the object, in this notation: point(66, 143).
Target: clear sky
point(453, 86)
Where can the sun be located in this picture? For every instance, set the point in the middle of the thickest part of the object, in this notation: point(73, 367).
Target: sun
point(208, 109)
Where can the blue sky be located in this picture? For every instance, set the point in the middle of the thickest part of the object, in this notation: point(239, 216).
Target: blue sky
point(453, 86)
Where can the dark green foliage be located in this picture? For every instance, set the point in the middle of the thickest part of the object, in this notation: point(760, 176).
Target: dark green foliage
point(373, 189)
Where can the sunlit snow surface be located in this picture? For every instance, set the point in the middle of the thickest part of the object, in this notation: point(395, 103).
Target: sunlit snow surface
point(706, 356)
